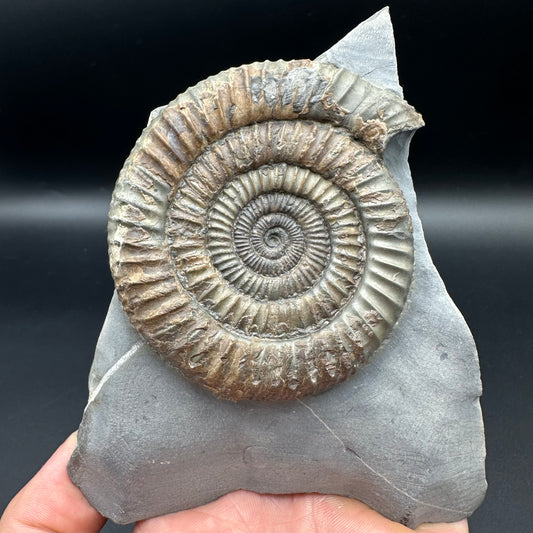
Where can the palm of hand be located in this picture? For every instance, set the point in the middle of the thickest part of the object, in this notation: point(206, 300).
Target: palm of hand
point(247, 512)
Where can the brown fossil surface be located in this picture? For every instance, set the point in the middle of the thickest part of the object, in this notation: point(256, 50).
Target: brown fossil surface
point(256, 238)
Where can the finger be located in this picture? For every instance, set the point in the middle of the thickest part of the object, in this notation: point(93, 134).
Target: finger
point(362, 516)
point(50, 502)
point(455, 527)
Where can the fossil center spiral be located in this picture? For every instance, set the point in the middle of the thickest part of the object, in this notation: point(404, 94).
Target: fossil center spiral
point(268, 244)
point(267, 237)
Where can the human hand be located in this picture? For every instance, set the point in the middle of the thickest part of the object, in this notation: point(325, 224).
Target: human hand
point(51, 503)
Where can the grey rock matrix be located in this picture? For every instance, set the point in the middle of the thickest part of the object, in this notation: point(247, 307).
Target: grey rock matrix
point(405, 435)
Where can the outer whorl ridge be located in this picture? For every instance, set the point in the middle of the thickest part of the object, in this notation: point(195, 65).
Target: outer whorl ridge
point(256, 238)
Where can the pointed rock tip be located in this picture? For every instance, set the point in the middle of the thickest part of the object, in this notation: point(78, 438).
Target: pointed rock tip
point(369, 50)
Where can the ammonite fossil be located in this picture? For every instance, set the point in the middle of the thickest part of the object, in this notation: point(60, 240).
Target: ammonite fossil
point(256, 238)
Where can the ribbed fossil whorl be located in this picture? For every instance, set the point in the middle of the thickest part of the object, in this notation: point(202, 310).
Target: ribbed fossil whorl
point(256, 238)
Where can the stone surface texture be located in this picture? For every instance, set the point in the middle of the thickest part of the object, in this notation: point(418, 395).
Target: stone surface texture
point(405, 435)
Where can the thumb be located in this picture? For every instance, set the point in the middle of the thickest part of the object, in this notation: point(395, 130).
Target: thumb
point(51, 502)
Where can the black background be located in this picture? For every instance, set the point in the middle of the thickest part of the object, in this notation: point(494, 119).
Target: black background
point(77, 82)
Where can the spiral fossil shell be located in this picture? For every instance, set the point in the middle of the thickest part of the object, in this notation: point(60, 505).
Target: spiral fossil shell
point(256, 238)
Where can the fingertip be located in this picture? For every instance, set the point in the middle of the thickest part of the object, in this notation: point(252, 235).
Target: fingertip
point(73, 438)
point(347, 514)
point(358, 512)
point(452, 527)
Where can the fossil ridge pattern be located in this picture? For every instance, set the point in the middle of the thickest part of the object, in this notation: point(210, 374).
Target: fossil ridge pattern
point(256, 238)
